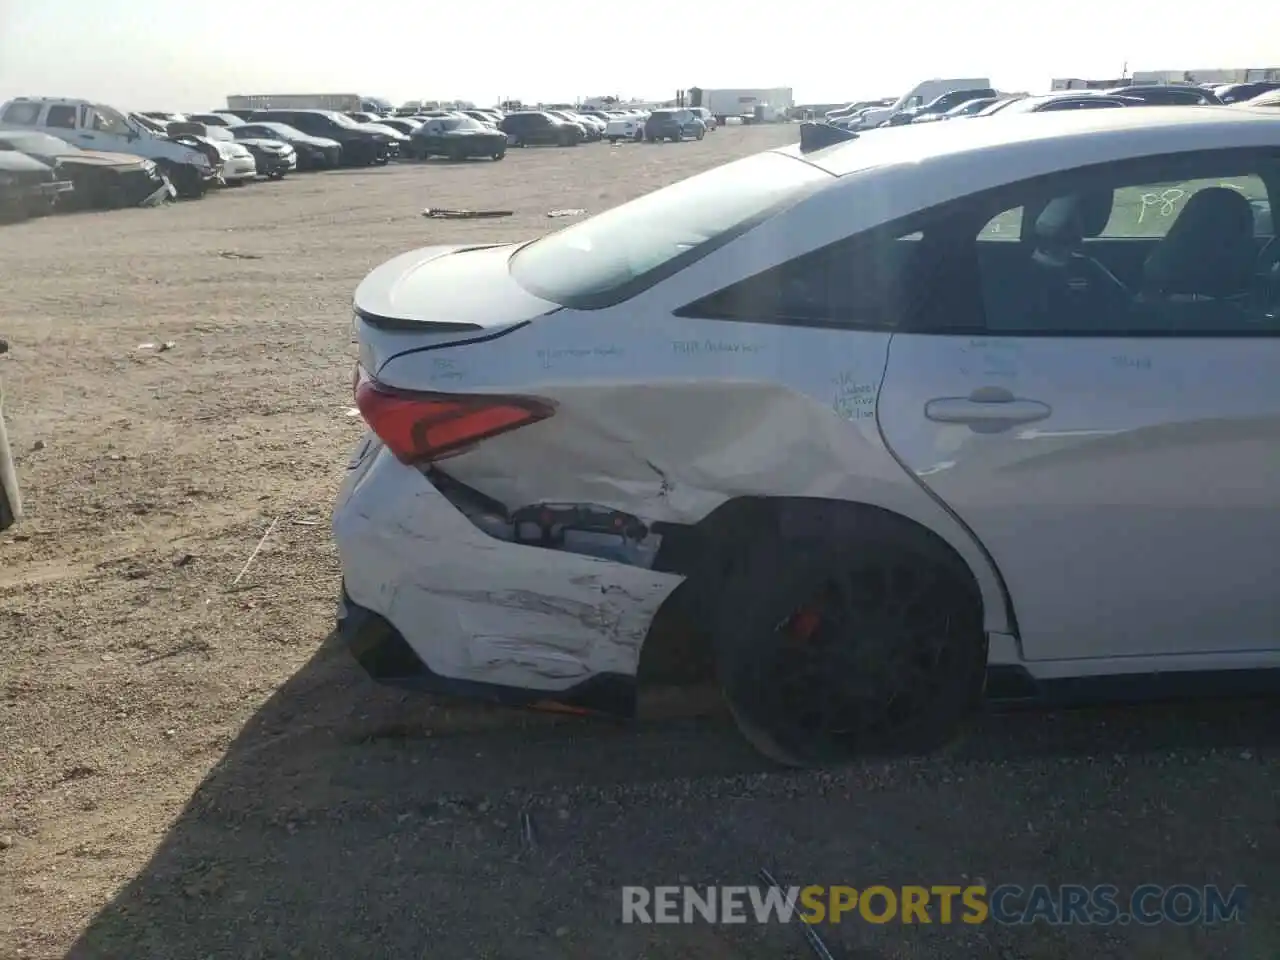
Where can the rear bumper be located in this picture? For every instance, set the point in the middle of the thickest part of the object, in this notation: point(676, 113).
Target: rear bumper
point(475, 609)
point(385, 655)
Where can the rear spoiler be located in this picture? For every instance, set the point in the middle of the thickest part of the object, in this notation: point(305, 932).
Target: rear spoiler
point(816, 136)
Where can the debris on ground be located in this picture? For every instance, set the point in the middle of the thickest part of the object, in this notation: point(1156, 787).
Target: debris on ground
point(245, 568)
point(816, 943)
point(233, 255)
point(443, 213)
point(571, 212)
point(158, 347)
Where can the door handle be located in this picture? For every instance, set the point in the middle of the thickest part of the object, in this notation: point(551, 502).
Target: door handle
point(987, 410)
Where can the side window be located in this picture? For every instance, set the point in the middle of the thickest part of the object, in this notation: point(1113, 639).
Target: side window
point(883, 280)
point(1006, 225)
point(22, 114)
point(61, 116)
point(1173, 246)
point(1149, 210)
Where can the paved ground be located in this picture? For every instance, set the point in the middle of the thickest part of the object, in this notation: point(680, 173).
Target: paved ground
point(190, 768)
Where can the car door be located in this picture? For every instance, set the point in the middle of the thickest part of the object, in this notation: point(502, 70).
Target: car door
point(1110, 434)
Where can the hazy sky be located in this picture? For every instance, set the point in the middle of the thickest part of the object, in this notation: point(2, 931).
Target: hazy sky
point(188, 54)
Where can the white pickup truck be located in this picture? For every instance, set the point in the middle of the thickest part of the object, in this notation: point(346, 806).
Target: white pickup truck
point(96, 126)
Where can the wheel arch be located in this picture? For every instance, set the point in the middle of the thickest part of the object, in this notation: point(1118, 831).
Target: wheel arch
point(705, 553)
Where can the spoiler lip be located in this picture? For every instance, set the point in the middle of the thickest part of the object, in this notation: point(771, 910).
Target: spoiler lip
point(816, 136)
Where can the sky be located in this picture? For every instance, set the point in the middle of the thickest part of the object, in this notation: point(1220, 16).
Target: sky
point(189, 55)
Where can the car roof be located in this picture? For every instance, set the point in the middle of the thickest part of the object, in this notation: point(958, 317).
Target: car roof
point(1071, 137)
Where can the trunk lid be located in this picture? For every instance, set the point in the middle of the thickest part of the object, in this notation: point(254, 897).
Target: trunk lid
point(435, 297)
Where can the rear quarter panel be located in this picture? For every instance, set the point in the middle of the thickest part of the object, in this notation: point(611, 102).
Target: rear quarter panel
point(668, 418)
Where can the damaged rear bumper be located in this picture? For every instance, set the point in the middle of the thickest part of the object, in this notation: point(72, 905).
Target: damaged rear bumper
point(480, 612)
point(385, 655)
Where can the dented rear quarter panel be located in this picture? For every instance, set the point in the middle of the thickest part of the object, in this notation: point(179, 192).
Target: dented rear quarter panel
point(668, 418)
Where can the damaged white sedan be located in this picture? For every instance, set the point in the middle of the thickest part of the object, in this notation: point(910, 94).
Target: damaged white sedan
point(942, 411)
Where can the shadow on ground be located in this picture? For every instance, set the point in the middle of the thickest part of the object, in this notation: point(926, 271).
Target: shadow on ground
point(325, 832)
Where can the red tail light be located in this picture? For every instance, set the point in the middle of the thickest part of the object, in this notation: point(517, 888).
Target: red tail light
point(420, 427)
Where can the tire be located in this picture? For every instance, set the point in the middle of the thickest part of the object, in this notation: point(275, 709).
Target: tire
point(499, 155)
point(185, 179)
point(807, 689)
point(613, 141)
point(701, 134)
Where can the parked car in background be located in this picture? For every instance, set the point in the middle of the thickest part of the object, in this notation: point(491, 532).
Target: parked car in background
point(359, 116)
point(1067, 100)
point(1270, 100)
point(402, 125)
point(1240, 92)
point(96, 126)
point(482, 116)
point(828, 409)
point(625, 126)
point(28, 187)
point(1165, 94)
point(589, 129)
point(939, 105)
point(457, 138)
point(273, 157)
point(218, 119)
point(674, 125)
point(105, 180)
point(708, 119)
point(313, 153)
point(362, 144)
point(529, 128)
point(238, 163)
point(970, 108)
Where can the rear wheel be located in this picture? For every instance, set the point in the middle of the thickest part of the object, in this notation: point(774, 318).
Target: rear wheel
point(826, 650)
point(701, 134)
point(499, 155)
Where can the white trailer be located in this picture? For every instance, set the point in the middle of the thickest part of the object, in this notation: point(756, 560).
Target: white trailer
point(739, 102)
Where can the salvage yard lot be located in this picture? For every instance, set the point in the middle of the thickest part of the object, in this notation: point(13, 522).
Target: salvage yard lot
point(191, 767)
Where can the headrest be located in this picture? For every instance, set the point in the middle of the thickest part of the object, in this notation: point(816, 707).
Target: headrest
point(1065, 221)
point(1210, 250)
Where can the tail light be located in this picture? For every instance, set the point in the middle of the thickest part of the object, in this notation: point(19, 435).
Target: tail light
point(421, 427)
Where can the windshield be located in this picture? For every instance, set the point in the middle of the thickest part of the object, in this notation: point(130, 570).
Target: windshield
point(342, 120)
point(461, 123)
point(618, 253)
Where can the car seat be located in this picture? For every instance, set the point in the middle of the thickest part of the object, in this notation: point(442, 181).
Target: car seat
point(1078, 292)
point(1202, 274)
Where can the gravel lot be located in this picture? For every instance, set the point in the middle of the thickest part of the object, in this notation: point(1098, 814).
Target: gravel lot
point(194, 769)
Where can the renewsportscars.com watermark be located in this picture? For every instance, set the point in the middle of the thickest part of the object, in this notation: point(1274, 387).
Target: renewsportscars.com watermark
point(1009, 904)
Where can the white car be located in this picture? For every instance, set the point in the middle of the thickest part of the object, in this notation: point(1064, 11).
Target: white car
point(629, 126)
point(890, 421)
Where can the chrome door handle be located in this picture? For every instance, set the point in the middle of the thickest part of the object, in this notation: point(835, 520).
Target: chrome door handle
point(987, 410)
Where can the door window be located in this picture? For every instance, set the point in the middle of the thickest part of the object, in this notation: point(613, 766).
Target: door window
point(61, 116)
point(1138, 252)
point(106, 120)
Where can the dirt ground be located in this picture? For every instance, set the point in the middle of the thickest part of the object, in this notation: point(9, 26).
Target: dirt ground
point(190, 766)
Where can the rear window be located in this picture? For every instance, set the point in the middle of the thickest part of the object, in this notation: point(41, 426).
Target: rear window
point(662, 114)
point(618, 253)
